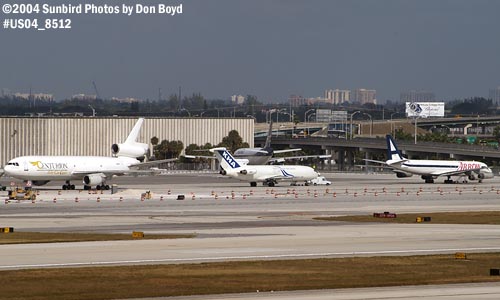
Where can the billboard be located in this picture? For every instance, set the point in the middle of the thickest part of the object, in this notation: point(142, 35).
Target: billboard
point(424, 109)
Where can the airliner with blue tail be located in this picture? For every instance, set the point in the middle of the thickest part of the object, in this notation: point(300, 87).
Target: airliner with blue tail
point(267, 174)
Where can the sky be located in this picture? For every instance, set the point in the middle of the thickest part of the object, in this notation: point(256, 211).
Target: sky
point(267, 48)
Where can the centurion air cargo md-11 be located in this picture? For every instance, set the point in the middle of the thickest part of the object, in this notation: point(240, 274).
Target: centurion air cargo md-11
point(93, 170)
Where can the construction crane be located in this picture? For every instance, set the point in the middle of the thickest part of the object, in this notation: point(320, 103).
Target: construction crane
point(96, 92)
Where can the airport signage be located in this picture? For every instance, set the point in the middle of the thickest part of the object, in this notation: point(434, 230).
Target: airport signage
point(424, 109)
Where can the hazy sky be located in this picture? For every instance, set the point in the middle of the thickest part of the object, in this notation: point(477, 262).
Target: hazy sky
point(268, 48)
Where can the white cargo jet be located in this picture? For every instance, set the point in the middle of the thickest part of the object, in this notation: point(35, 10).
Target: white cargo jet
point(93, 170)
point(267, 174)
point(431, 169)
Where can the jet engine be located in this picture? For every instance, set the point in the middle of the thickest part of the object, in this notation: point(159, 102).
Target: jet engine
point(480, 175)
point(134, 150)
point(93, 179)
point(223, 172)
point(403, 175)
point(472, 177)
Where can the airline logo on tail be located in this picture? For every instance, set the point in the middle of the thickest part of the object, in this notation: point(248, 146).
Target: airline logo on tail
point(392, 151)
point(228, 158)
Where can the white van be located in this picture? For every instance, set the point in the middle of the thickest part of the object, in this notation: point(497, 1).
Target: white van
point(320, 180)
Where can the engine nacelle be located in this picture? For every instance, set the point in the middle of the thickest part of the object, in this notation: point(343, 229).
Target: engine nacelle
point(223, 172)
point(403, 175)
point(472, 177)
point(480, 175)
point(40, 182)
point(93, 179)
point(130, 150)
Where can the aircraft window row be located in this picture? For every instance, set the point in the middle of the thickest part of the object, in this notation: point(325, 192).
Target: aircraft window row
point(13, 164)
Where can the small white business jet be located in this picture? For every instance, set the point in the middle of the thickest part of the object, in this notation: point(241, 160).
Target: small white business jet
point(267, 174)
point(431, 169)
point(93, 170)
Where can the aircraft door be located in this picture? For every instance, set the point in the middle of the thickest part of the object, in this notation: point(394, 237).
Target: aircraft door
point(25, 164)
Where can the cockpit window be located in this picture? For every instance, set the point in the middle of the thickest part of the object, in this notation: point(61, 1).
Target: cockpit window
point(13, 164)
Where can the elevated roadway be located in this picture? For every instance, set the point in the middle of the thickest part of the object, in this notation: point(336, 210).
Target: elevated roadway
point(429, 149)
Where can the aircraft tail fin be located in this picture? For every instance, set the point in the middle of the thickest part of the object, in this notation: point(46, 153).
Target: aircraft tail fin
point(269, 134)
point(226, 160)
point(132, 137)
point(393, 153)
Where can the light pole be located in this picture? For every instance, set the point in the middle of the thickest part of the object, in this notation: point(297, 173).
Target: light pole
point(183, 109)
point(416, 118)
point(392, 123)
point(305, 114)
point(356, 112)
point(93, 110)
point(371, 122)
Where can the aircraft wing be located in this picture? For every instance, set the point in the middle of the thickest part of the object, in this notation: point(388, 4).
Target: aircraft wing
point(456, 173)
point(282, 159)
point(375, 161)
point(199, 156)
point(152, 163)
point(285, 150)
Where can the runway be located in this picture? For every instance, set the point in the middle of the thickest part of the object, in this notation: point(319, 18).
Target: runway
point(235, 222)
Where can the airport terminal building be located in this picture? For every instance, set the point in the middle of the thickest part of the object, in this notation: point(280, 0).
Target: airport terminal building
point(20, 136)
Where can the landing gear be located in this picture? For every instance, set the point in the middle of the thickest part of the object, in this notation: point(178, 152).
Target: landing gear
point(102, 187)
point(253, 184)
point(428, 179)
point(68, 186)
point(87, 187)
point(449, 180)
point(270, 183)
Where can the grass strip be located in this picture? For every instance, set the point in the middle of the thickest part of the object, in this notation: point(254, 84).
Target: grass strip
point(244, 277)
point(476, 217)
point(20, 237)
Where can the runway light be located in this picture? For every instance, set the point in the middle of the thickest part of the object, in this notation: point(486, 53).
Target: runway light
point(99, 199)
point(121, 199)
point(334, 194)
point(76, 199)
point(398, 194)
point(55, 200)
point(161, 198)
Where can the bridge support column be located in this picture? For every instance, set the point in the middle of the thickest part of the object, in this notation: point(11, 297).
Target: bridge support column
point(341, 159)
point(350, 160)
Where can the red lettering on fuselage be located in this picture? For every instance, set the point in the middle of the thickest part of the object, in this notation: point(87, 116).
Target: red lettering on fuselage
point(468, 166)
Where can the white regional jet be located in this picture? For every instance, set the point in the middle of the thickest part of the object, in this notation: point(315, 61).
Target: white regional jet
point(431, 169)
point(93, 170)
point(267, 174)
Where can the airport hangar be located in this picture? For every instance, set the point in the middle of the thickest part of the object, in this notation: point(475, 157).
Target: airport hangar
point(20, 136)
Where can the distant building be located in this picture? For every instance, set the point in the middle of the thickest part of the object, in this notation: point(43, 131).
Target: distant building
point(337, 96)
point(364, 96)
point(417, 96)
point(36, 97)
point(83, 97)
point(296, 100)
point(495, 95)
point(125, 100)
point(238, 99)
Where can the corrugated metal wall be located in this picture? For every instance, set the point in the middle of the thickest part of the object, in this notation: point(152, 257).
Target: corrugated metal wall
point(94, 136)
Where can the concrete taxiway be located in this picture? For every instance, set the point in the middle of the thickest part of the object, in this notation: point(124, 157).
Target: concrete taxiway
point(233, 221)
